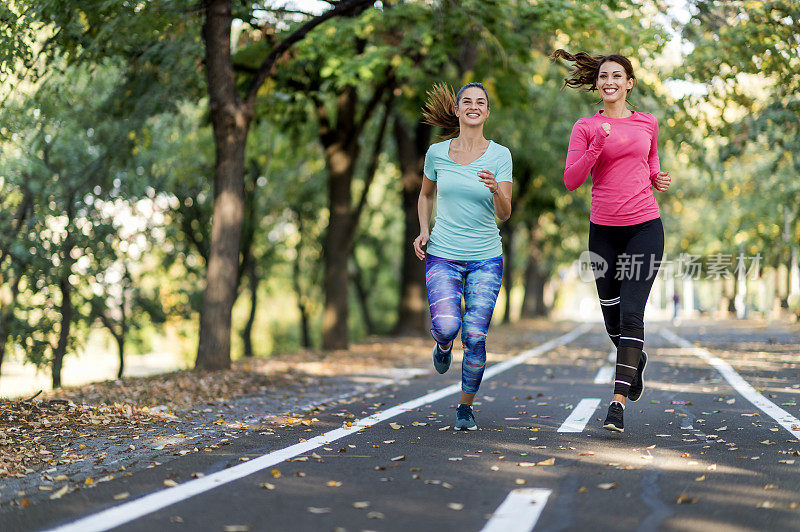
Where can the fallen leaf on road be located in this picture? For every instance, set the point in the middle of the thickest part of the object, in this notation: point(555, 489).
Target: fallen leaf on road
point(455, 506)
point(387, 442)
point(267, 486)
point(548, 462)
point(766, 504)
point(770, 487)
point(395, 426)
point(360, 505)
point(236, 528)
point(607, 486)
point(170, 483)
point(494, 468)
point(521, 481)
point(375, 515)
point(588, 453)
point(526, 464)
point(399, 458)
point(445, 428)
point(455, 458)
point(314, 510)
point(700, 478)
point(275, 473)
point(333, 484)
point(685, 499)
point(60, 493)
point(583, 489)
point(120, 496)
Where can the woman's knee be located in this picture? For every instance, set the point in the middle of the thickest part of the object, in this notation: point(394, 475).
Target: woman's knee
point(474, 344)
point(445, 329)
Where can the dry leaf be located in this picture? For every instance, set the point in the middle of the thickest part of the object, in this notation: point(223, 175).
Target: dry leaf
point(395, 426)
point(60, 493)
point(170, 483)
point(267, 486)
point(120, 496)
point(521, 481)
point(314, 510)
point(399, 458)
point(455, 506)
point(360, 505)
point(333, 484)
point(685, 499)
point(587, 453)
point(275, 473)
point(607, 486)
point(548, 462)
point(236, 528)
point(375, 515)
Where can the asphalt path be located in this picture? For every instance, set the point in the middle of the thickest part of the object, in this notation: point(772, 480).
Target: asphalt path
point(696, 454)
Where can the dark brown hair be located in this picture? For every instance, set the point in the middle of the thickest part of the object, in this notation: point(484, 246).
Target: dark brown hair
point(439, 110)
point(587, 68)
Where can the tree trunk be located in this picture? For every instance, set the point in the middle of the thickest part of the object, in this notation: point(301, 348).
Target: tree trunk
point(362, 295)
point(341, 152)
point(63, 335)
point(412, 317)
point(123, 333)
point(507, 230)
point(121, 353)
point(247, 333)
point(535, 278)
point(231, 121)
point(305, 337)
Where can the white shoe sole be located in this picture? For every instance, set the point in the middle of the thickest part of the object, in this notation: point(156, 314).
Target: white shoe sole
point(474, 427)
point(612, 427)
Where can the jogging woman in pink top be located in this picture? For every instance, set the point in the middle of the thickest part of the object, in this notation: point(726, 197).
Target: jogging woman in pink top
point(618, 146)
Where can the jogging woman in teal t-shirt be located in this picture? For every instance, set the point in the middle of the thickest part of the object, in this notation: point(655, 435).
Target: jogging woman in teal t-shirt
point(470, 178)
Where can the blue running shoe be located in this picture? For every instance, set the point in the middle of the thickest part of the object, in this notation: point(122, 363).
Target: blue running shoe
point(465, 419)
point(442, 359)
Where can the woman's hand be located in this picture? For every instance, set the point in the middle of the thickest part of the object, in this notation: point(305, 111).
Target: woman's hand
point(420, 241)
point(662, 181)
point(606, 127)
point(487, 178)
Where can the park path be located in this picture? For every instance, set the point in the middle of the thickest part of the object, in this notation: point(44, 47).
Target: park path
point(712, 443)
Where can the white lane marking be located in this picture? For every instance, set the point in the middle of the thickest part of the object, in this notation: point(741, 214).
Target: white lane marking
point(784, 418)
point(612, 355)
point(127, 512)
point(604, 375)
point(580, 416)
point(519, 511)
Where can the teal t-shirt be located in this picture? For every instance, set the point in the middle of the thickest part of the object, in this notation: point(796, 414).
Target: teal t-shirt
point(465, 226)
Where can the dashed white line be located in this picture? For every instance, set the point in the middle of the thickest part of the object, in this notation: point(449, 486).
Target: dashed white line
point(580, 416)
point(130, 511)
point(784, 418)
point(519, 512)
point(604, 375)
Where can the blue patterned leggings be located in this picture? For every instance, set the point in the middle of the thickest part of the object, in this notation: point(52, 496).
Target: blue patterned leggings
point(478, 281)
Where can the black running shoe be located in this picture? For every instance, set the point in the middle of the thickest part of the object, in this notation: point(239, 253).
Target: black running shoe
point(637, 386)
point(614, 418)
point(465, 419)
point(442, 359)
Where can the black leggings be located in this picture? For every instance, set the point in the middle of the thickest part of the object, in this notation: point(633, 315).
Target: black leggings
point(632, 254)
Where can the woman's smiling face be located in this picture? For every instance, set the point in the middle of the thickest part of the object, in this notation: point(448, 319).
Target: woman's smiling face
point(473, 107)
point(612, 82)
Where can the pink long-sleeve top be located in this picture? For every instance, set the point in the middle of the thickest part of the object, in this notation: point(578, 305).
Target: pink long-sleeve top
point(624, 165)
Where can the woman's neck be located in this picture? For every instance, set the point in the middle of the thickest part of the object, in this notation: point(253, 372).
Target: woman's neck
point(471, 138)
point(616, 110)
